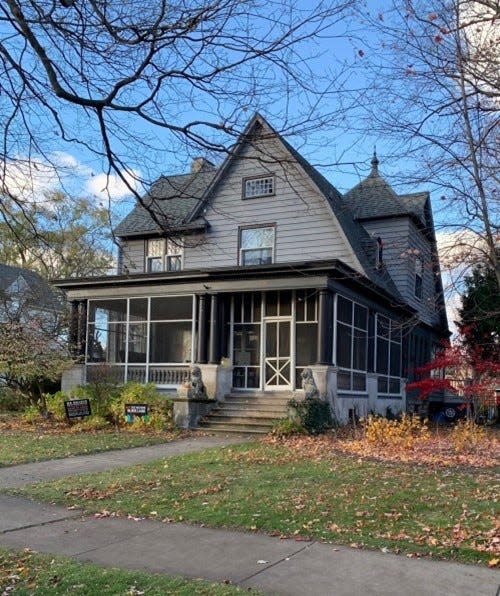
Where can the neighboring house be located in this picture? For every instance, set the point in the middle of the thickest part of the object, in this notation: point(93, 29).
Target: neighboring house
point(25, 295)
point(265, 270)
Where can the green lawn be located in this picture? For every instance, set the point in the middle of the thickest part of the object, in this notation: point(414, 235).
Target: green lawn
point(22, 446)
point(413, 509)
point(23, 573)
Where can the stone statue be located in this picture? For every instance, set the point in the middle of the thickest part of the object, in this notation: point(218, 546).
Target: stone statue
point(196, 389)
point(309, 385)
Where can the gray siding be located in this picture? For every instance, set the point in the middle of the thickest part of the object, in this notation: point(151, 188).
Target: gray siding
point(395, 234)
point(401, 241)
point(305, 225)
point(133, 256)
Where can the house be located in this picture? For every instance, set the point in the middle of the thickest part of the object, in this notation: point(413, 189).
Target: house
point(260, 269)
point(25, 295)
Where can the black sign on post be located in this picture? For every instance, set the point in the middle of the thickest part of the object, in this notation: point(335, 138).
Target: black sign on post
point(133, 410)
point(77, 408)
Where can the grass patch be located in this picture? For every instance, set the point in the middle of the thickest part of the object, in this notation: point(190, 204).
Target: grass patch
point(30, 573)
point(18, 446)
point(332, 497)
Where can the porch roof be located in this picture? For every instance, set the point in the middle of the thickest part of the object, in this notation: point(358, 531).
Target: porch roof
point(273, 276)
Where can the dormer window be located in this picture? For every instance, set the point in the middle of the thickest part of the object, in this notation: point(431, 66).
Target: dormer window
point(419, 275)
point(380, 253)
point(258, 187)
point(163, 255)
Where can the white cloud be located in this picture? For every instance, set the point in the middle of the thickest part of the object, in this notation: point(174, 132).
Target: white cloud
point(112, 186)
point(31, 180)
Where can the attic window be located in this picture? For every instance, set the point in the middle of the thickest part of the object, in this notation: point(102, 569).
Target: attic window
point(258, 187)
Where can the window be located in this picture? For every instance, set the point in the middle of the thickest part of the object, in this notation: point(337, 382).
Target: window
point(419, 274)
point(351, 344)
point(173, 256)
point(388, 355)
point(164, 255)
point(258, 187)
point(256, 246)
point(154, 259)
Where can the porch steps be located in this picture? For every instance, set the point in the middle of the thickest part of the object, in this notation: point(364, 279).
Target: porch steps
point(247, 413)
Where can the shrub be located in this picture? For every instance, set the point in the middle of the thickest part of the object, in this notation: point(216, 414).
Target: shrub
point(287, 427)
point(403, 433)
point(314, 415)
point(32, 414)
point(467, 435)
point(90, 424)
point(11, 400)
point(102, 395)
point(55, 405)
point(161, 408)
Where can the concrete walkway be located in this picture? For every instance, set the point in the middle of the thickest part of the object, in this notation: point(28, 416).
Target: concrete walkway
point(286, 567)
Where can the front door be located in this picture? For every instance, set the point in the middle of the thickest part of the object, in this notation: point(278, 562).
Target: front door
point(277, 354)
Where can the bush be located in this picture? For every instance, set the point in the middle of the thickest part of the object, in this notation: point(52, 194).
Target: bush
point(107, 404)
point(102, 395)
point(403, 433)
point(287, 427)
point(32, 414)
point(55, 405)
point(92, 423)
point(161, 408)
point(11, 400)
point(467, 435)
point(314, 415)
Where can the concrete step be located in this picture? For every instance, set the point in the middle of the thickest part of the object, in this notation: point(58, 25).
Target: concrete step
point(246, 419)
point(231, 426)
point(263, 412)
point(261, 401)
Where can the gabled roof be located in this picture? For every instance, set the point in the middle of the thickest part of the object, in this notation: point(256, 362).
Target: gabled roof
point(172, 200)
point(374, 198)
point(179, 200)
point(34, 290)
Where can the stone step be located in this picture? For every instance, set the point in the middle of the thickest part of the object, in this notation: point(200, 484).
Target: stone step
point(246, 419)
point(264, 411)
point(270, 401)
point(230, 426)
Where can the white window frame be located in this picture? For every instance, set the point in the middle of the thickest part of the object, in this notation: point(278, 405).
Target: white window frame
point(260, 186)
point(242, 250)
point(174, 250)
point(169, 250)
point(390, 341)
point(351, 371)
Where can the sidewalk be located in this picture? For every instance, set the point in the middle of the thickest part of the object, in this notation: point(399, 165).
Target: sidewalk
point(286, 567)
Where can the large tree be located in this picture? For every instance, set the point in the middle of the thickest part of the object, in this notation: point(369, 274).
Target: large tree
point(57, 237)
point(435, 94)
point(128, 78)
point(480, 314)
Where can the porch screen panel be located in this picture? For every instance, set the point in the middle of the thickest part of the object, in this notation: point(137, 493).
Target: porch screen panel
point(306, 332)
point(246, 340)
point(170, 332)
point(106, 340)
point(351, 333)
point(388, 355)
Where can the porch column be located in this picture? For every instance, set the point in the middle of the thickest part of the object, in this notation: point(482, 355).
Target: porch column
point(202, 329)
point(82, 328)
point(325, 327)
point(73, 328)
point(214, 342)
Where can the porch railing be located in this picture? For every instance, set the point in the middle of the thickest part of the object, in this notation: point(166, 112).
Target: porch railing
point(170, 375)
